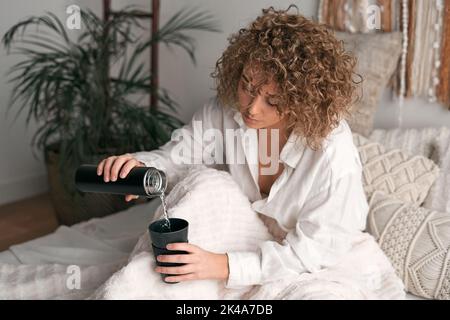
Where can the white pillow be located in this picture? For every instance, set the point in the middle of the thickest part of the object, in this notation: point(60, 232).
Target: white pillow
point(414, 141)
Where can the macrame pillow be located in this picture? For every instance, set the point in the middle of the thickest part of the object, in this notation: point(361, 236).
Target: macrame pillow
point(378, 56)
point(433, 143)
point(394, 172)
point(417, 242)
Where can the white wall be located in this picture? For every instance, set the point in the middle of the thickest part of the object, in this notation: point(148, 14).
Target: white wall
point(21, 175)
point(192, 85)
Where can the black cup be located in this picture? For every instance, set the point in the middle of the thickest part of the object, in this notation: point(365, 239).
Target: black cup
point(161, 237)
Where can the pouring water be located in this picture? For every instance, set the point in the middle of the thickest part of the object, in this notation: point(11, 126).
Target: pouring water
point(166, 225)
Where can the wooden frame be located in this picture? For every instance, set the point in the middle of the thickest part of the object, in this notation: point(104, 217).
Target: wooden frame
point(154, 52)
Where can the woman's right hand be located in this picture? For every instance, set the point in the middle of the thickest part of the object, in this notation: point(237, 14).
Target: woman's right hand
point(115, 167)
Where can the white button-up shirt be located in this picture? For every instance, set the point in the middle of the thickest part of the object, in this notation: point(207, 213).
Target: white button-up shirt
point(318, 200)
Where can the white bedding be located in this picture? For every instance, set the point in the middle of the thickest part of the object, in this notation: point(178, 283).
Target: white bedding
point(99, 240)
point(104, 245)
point(41, 268)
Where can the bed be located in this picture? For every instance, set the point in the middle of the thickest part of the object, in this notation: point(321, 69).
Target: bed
point(107, 240)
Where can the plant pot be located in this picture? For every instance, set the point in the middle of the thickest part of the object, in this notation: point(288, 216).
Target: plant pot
point(77, 207)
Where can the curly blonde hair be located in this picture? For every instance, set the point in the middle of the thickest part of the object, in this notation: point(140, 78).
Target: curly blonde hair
point(313, 72)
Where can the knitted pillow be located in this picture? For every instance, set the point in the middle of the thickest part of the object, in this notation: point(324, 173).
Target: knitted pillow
point(378, 56)
point(409, 178)
point(417, 242)
point(414, 141)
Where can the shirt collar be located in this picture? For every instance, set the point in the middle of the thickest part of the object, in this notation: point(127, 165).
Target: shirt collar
point(292, 150)
point(238, 118)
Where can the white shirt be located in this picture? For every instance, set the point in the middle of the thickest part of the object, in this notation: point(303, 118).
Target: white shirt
point(318, 200)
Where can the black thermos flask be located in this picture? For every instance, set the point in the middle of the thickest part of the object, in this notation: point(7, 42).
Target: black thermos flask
point(141, 181)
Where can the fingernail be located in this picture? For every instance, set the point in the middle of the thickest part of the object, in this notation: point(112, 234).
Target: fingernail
point(122, 175)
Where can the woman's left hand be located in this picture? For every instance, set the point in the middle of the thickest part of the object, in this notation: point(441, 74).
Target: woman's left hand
point(199, 264)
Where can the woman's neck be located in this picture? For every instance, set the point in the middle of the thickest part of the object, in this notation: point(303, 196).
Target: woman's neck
point(275, 134)
point(282, 126)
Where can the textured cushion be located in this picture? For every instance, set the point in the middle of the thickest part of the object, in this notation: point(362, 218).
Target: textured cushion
point(421, 141)
point(417, 242)
point(409, 178)
point(378, 56)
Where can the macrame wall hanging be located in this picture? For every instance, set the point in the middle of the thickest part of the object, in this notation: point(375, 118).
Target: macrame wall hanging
point(424, 69)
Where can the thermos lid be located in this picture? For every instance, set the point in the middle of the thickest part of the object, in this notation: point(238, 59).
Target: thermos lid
point(155, 182)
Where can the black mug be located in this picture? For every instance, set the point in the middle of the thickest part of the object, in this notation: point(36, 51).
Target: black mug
point(161, 237)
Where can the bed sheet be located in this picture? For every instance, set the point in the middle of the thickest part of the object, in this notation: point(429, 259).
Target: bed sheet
point(97, 241)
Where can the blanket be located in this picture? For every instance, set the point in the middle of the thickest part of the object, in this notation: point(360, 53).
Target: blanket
point(221, 219)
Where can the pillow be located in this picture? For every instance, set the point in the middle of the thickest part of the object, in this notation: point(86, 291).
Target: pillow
point(409, 178)
point(439, 196)
point(417, 242)
point(378, 56)
point(414, 141)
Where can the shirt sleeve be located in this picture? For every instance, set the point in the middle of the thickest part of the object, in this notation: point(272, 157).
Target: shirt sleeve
point(185, 148)
point(326, 225)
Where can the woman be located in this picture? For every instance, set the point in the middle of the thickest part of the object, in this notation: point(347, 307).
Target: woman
point(287, 80)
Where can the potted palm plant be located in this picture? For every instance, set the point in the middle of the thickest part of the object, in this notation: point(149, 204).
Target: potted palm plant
point(88, 95)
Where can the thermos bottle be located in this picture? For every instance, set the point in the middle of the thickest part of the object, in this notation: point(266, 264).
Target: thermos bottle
point(141, 181)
